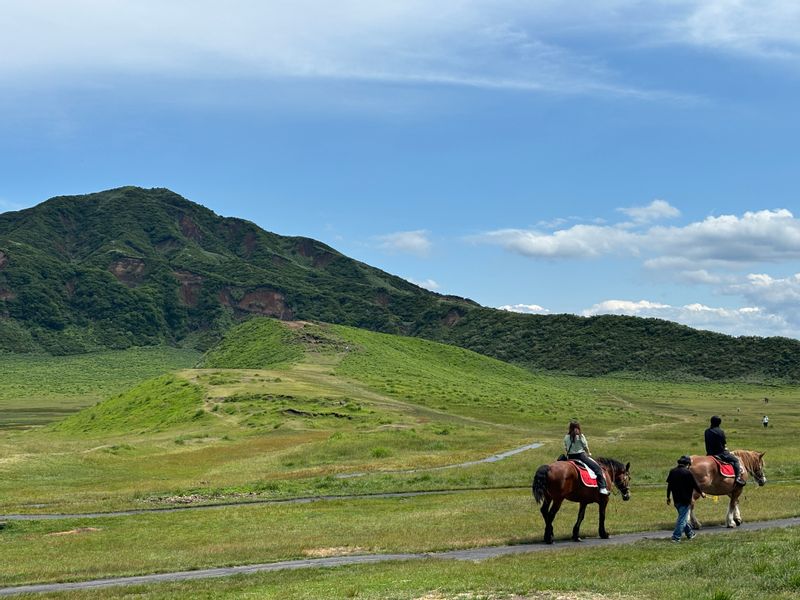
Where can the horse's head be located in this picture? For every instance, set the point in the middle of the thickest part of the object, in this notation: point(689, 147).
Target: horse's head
point(758, 468)
point(620, 474)
point(622, 479)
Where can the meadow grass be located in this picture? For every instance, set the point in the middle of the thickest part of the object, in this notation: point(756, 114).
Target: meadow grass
point(758, 565)
point(355, 402)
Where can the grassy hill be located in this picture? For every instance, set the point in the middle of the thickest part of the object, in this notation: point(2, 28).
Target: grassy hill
point(131, 267)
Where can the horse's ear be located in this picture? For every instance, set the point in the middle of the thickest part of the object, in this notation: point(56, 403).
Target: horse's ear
point(628, 467)
point(761, 454)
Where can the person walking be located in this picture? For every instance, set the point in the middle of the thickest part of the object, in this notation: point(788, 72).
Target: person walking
point(717, 445)
point(577, 448)
point(681, 485)
point(765, 421)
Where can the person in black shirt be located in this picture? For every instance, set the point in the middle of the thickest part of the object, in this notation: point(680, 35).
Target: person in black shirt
point(681, 485)
point(717, 445)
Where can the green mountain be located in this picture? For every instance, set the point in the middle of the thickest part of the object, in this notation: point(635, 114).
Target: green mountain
point(132, 266)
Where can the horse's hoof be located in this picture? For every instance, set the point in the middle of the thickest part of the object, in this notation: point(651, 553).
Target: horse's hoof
point(577, 539)
point(604, 536)
point(738, 522)
point(548, 541)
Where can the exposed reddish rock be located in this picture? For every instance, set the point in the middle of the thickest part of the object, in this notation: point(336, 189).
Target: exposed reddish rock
point(382, 298)
point(452, 317)
point(191, 285)
point(70, 288)
point(261, 301)
point(320, 257)
point(190, 229)
point(3, 259)
point(7, 294)
point(130, 271)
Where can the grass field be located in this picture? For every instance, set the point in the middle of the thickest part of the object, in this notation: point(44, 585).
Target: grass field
point(284, 412)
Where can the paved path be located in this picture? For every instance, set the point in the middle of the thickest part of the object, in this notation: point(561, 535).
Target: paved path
point(489, 459)
point(471, 554)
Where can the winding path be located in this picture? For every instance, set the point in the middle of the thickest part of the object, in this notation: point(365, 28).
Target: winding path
point(471, 554)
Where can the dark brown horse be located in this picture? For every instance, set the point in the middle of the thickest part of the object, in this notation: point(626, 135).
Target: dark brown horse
point(560, 481)
point(707, 473)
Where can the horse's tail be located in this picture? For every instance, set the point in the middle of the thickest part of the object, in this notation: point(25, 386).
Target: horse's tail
point(540, 483)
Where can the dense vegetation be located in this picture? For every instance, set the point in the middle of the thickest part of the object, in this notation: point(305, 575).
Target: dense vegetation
point(130, 267)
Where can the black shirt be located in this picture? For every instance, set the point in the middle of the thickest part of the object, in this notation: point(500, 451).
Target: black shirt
point(681, 483)
point(715, 441)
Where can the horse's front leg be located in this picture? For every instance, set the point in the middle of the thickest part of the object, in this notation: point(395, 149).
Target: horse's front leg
point(576, 530)
point(602, 529)
point(736, 515)
point(730, 520)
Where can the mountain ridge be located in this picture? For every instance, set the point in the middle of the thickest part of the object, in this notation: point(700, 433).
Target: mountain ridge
point(133, 266)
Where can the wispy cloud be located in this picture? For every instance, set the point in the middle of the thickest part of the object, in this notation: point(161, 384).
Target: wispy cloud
point(510, 44)
point(767, 29)
point(530, 309)
point(409, 242)
point(428, 284)
point(655, 211)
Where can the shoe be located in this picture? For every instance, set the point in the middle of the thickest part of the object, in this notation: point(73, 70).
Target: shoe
point(604, 491)
point(741, 482)
point(691, 537)
point(674, 541)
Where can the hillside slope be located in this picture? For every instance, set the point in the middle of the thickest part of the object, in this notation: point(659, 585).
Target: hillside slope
point(131, 266)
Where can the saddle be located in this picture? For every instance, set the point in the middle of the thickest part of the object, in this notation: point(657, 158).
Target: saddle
point(588, 477)
point(725, 469)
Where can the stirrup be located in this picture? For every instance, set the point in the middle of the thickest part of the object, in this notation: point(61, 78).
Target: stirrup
point(605, 492)
point(740, 481)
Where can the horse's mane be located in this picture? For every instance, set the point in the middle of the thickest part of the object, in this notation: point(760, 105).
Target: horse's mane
point(749, 458)
point(611, 464)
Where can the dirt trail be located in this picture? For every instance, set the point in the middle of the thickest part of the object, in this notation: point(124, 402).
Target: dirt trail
point(472, 554)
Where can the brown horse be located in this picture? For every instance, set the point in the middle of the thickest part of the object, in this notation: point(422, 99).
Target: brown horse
point(560, 481)
point(707, 473)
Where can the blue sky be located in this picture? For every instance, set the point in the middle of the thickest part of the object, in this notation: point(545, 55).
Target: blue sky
point(623, 157)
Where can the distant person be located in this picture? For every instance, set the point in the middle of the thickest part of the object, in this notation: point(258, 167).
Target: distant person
point(766, 400)
point(681, 485)
point(717, 445)
point(576, 447)
point(765, 421)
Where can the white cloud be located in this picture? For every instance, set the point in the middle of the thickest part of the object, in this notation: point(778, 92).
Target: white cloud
point(531, 309)
point(579, 241)
point(411, 242)
point(727, 240)
point(747, 320)
point(777, 295)
point(655, 211)
point(428, 284)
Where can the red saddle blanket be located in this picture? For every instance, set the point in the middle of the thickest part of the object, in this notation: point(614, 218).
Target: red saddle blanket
point(725, 469)
point(587, 476)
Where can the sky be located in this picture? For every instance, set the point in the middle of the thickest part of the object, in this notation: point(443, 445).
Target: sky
point(614, 156)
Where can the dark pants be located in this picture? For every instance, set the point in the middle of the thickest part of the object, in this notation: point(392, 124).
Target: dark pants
point(731, 458)
point(590, 462)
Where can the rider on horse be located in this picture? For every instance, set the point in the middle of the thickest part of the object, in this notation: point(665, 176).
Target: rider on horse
point(577, 448)
point(716, 445)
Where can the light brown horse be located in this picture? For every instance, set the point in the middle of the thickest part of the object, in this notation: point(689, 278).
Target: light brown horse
point(706, 471)
point(559, 481)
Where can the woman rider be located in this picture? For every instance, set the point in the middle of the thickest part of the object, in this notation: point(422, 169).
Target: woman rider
point(576, 447)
